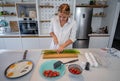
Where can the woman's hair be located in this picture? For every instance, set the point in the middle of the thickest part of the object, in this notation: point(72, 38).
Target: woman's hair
point(64, 8)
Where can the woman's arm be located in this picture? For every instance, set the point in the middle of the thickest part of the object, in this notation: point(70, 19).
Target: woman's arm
point(54, 38)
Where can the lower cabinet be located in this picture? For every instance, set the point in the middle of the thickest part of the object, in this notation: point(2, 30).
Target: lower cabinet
point(98, 42)
point(13, 43)
point(30, 43)
point(25, 43)
point(45, 43)
point(36, 43)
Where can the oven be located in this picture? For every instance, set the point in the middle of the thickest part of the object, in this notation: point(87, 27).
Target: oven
point(28, 26)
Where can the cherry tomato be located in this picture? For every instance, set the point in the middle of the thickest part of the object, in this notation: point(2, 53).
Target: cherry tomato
point(50, 73)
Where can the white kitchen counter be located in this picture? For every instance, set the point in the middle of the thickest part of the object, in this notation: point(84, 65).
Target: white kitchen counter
point(108, 69)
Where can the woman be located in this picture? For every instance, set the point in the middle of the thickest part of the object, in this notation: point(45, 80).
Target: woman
point(62, 29)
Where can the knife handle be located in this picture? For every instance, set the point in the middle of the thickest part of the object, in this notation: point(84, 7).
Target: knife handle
point(71, 61)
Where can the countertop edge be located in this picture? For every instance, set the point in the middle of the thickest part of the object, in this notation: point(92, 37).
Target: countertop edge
point(98, 35)
point(24, 36)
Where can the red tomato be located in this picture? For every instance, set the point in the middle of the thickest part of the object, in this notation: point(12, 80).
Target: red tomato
point(50, 73)
point(75, 70)
point(54, 74)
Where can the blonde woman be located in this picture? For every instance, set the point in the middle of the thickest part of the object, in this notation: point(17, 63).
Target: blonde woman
point(62, 29)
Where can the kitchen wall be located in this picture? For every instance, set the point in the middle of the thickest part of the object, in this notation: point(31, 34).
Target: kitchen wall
point(111, 19)
point(110, 11)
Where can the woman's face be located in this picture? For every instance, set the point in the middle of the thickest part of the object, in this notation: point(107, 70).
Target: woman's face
point(63, 17)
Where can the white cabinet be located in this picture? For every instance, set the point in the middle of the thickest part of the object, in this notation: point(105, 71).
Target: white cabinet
point(36, 43)
point(2, 43)
point(13, 43)
point(98, 42)
point(25, 43)
point(45, 43)
point(30, 43)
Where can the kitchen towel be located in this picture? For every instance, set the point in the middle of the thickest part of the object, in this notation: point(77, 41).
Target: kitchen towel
point(117, 53)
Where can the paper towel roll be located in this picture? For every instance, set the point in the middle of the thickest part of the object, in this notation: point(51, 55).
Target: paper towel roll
point(89, 59)
point(95, 63)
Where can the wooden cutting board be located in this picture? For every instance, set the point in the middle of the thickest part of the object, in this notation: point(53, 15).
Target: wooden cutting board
point(65, 55)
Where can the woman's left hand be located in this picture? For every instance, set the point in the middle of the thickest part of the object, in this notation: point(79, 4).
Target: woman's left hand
point(60, 49)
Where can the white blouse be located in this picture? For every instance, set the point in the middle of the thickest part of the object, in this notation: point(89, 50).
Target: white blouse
point(68, 31)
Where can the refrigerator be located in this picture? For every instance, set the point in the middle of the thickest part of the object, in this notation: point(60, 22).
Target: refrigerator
point(83, 17)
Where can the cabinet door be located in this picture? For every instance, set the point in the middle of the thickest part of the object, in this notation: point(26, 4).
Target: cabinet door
point(98, 42)
point(45, 43)
point(31, 43)
point(2, 43)
point(13, 43)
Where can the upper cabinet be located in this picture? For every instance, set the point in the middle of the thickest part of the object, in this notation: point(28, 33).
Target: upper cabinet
point(26, 9)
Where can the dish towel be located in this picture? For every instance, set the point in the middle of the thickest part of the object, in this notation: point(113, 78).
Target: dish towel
point(91, 59)
point(117, 54)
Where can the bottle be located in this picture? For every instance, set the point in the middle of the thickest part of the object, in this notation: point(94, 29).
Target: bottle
point(106, 29)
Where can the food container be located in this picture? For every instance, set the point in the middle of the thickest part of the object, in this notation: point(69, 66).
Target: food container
point(75, 70)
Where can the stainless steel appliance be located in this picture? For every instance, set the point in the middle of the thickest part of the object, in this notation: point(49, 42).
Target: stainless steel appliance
point(28, 26)
point(83, 17)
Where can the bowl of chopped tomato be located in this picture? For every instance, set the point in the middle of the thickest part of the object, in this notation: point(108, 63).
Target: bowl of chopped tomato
point(75, 69)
